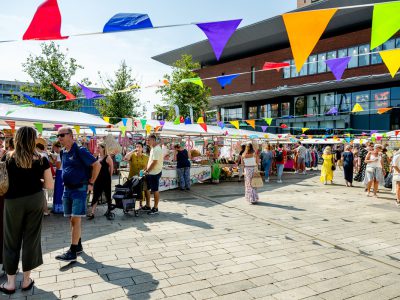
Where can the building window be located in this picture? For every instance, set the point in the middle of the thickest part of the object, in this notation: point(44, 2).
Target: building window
point(353, 52)
point(264, 109)
point(253, 75)
point(376, 57)
point(252, 112)
point(327, 102)
point(293, 72)
point(285, 109)
point(395, 97)
point(331, 55)
point(362, 98)
point(342, 53)
point(312, 65)
point(398, 43)
point(380, 98)
point(286, 71)
point(343, 102)
point(390, 44)
point(303, 71)
point(321, 63)
point(232, 114)
point(363, 59)
point(274, 110)
point(300, 106)
point(313, 105)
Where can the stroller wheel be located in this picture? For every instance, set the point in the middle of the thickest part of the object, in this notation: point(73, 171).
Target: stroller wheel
point(126, 212)
point(110, 216)
point(136, 213)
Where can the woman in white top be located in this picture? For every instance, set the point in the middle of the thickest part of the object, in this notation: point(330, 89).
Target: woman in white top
point(396, 176)
point(374, 171)
point(250, 164)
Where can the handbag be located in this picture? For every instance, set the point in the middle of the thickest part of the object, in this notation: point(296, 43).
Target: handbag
point(333, 168)
point(256, 181)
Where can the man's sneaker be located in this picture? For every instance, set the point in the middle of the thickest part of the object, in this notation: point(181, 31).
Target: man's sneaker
point(68, 256)
point(154, 211)
point(295, 172)
point(146, 208)
point(279, 181)
point(79, 249)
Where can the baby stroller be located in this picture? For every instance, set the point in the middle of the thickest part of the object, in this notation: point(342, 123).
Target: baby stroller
point(127, 194)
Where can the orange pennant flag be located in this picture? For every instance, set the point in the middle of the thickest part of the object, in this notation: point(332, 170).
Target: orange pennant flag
point(68, 95)
point(391, 58)
point(304, 30)
point(383, 110)
point(204, 126)
point(252, 123)
point(11, 124)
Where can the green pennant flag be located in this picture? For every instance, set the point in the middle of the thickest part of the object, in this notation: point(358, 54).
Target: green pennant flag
point(39, 127)
point(384, 135)
point(269, 121)
point(197, 81)
point(177, 121)
point(385, 22)
point(143, 122)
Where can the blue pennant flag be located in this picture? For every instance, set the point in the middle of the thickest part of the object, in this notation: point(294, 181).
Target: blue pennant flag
point(188, 121)
point(93, 129)
point(225, 80)
point(127, 21)
point(35, 101)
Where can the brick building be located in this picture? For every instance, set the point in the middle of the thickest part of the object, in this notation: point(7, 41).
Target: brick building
point(302, 99)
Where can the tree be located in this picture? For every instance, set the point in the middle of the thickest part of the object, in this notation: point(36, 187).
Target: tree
point(184, 95)
point(52, 65)
point(120, 104)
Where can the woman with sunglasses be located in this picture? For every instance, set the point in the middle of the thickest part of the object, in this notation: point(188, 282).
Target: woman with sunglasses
point(103, 181)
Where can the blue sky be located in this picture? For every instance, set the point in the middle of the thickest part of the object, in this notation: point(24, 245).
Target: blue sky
point(104, 52)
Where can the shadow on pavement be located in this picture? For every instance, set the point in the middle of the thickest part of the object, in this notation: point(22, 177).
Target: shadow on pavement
point(292, 208)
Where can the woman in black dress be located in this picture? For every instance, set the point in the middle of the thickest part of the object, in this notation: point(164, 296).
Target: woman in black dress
point(362, 154)
point(347, 161)
point(103, 182)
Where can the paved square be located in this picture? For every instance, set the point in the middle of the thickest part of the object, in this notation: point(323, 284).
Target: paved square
point(303, 240)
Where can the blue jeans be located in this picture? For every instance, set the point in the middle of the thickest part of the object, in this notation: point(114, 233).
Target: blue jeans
point(267, 168)
point(279, 168)
point(183, 177)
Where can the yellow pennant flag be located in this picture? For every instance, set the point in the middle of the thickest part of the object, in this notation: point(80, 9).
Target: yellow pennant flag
point(107, 119)
point(148, 129)
point(361, 141)
point(235, 124)
point(266, 136)
point(200, 120)
point(252, 123)
point(77, 129)
point(357, 108)
point(123, 130)
point(383, 110)
point(305, 129)
point(391, 58)
point(304, 30)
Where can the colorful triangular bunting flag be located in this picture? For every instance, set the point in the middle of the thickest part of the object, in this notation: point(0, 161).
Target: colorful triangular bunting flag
point(127, 21)
point(385, 22)
point(77, 129)
point(35, 101)
point(304, 30)
point(275, 66)
point(391, 58)
point(89, 94)
point(67, 94)
point(235, 124)
point(39, 127)
point(264, 128)
point(197, 81)
point(219, 33)
point(357, 108)
point(383, 110)
point(227, 79)
point(143, 122)
point(268, 121)
point(204, 126)
point(338, 65)
point(252, 123)
point(124, 121)
point(200, 120)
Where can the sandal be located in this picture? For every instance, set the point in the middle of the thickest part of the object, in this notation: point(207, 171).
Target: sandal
point(6, 291)
point(29, 287)
point(90, 217)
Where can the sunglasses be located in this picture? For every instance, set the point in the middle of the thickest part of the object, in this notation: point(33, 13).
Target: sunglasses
point(62, 135)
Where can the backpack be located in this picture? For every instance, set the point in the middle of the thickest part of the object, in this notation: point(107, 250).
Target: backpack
point(279, 156)
point(4, 183)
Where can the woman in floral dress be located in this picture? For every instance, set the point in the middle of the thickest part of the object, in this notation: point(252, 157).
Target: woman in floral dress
point(250, 165)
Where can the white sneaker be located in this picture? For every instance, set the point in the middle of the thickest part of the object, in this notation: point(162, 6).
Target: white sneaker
point(279, 181)
point(266, 180)
point(295, 172)
point(305, 173)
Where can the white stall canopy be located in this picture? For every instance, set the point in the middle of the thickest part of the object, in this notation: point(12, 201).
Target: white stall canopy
point(26, 116)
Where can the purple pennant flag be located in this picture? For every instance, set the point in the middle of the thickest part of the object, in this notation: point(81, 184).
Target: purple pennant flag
point(374, 131)
point(338, 65)
point(221, 125)
point(162, 123)
point(332, 111)
point(219, 33)
point(89, 94)
point(264, 128)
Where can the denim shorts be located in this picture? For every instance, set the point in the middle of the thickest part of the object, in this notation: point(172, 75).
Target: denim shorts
point(153, 182)
point(74, 201)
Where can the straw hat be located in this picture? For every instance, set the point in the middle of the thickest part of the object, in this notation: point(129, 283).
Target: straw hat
point(41, 141)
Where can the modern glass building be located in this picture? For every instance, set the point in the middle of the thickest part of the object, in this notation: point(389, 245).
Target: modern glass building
point(10, 88)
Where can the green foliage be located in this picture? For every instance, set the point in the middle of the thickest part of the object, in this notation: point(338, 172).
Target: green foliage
point(184, 94)
point(52, 65)
point(120, 105)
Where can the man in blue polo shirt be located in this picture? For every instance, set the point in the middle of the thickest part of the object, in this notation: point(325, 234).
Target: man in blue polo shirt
point(76, 162)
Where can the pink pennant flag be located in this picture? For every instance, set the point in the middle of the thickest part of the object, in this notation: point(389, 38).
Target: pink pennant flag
point(46, 23)
point(338, 65)
point(219, 33)
point(57, 126)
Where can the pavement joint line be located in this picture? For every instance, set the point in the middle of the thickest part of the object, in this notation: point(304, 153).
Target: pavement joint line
point(334, 245)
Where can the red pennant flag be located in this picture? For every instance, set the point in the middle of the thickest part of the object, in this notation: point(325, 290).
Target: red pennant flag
point(68, 95)
point(397, 132)
point(275, 66)
point(284, 126)
point(204, 126)
point(46, 23)
point(11, 124)
point(182, 119)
